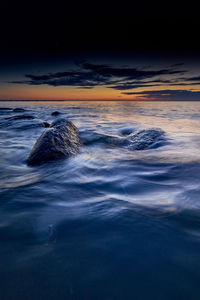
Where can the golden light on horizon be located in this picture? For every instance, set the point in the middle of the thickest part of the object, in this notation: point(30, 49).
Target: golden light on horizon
point(46, 92)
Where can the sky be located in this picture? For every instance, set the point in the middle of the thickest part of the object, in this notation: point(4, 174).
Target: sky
point(104, 50)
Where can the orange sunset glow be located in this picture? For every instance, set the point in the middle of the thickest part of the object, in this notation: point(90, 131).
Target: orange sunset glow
point(99, 81)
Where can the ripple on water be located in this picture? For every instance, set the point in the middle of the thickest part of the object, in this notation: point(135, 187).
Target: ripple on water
point(114, 215)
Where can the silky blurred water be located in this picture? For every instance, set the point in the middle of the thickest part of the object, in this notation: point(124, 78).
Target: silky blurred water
point(109, 223)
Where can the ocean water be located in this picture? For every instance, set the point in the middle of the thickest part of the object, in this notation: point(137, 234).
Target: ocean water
point(110, 223)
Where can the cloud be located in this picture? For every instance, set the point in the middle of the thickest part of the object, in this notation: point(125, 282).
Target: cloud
point(177, 65)
point(197, 78)
point(128, 73)
point(174, 95)
point(87, 75)
point(186, 84)
point(128, 85)
point(71, 78)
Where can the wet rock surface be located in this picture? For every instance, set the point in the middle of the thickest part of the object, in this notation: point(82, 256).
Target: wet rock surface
point(19, 109)
point(145, 139)
point(59, 141)
point(55, 113)
point(138, 140)
point(46, 124)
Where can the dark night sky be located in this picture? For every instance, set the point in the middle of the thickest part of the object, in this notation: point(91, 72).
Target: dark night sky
point(48, 35)
point(39, 28)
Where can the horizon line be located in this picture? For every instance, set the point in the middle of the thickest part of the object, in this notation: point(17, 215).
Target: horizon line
point(86, 100)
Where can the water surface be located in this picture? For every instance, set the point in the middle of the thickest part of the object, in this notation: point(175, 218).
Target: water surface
point(109, 223)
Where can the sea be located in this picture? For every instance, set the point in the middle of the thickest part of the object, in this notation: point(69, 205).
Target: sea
point(110, 223)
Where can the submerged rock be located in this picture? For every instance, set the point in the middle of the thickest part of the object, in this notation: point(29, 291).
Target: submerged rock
point(138, 140)
point(127, 131)
point(90, 137)
point(45, 124)
point(55, 113)
point(60, 140)
point(23, 122)
point(18, 109)
point(21, 117)
point(145, 139)
point(31, 124)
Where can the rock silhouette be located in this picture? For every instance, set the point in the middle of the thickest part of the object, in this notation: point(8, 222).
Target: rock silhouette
point(55, 113)
point(18, 109)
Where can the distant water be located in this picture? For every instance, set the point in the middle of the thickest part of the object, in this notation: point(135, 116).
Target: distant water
point(109, 223)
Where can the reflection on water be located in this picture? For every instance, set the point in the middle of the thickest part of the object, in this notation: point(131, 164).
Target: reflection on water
point(109, 223)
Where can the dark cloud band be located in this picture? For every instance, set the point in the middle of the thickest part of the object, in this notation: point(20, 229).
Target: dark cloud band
point(175, 95)
point(89, 75)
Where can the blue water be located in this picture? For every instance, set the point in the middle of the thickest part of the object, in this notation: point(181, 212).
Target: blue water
point(110, 223)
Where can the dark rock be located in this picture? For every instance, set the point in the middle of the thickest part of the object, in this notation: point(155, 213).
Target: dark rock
point(21, 117)
point(138, 140)
point(59, 141)
point(46, 124)
point(5, 108)
point(144, 139)
point(55, 113)
point(18, 110)
point(126, 131)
